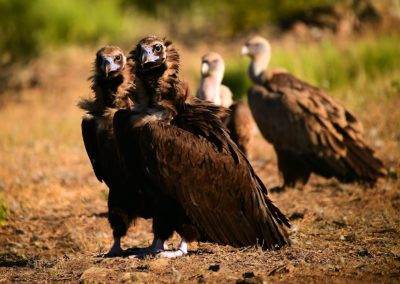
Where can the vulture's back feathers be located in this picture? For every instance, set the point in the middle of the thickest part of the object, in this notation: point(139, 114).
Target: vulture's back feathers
point(304, 122)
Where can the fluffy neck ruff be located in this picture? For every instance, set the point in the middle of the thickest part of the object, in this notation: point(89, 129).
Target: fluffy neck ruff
point(160, 85)
point(109, 92)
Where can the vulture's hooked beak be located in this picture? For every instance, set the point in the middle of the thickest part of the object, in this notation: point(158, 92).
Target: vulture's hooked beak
point(205, 68)
point(148, 56)
point(109, 65)
point(244, 51)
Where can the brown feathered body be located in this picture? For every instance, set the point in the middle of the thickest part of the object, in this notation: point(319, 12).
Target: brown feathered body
point(125, 199)
point(240, 124)
point(190, 161)
point(311, 132)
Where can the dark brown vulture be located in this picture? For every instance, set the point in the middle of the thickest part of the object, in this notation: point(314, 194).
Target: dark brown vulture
point(310, 131)
point(204, 186)
point(239, 122)
point(111, 79)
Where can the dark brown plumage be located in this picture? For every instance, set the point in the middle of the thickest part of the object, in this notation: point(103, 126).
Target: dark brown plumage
point(310, 131)
point(188, 158)
point(239, 121)
point(110, 82)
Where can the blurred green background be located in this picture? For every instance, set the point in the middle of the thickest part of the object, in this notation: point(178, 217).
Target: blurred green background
point(29, 28)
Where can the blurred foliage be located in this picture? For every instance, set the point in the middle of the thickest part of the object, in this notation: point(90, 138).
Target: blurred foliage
point(225, 18)
point(326, 64)
point(29, 26)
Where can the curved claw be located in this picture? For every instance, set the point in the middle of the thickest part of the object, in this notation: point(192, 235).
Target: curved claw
point(158, 250)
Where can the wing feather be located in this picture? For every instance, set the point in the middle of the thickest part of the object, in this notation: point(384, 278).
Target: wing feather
point(89, 134)
point(305, 121)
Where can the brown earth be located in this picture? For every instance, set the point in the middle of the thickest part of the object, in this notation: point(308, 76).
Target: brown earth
point(57, 222)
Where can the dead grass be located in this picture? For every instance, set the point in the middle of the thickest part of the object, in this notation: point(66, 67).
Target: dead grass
point(57, 226)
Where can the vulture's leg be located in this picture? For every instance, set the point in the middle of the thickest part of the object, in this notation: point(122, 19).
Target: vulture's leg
point(293, 168)
point(116, 249)
point(181, 251)
point(119, 221)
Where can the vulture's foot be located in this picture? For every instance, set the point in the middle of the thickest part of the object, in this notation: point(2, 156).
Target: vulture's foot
point(181, 251)
point(156, 247)
point(115, 250)
point(277, 189)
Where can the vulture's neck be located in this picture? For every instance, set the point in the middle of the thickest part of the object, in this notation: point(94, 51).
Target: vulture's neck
point(211, 88)
point(162, 83)
point(112, 93)
point(257, 68)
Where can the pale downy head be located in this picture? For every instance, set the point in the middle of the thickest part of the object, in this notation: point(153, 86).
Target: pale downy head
point(259, 51)
point(110, 61)
point(212, 65)
point(212, 73)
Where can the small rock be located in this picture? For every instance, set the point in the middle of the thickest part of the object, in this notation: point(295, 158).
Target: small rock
point(250, 278)
point(248, 275)
point(348, 238)
point(340, 223)
point(363, 252)
point(297, 215)
point(214, 267)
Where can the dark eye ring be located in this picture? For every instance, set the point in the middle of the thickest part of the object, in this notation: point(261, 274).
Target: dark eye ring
point(157, 47)
point(118, 57)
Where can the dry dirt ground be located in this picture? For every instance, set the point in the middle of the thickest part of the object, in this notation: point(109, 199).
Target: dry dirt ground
point(57, 223)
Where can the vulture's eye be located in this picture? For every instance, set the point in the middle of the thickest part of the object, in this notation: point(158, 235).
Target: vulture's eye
point(157, 47)
point(118, 57)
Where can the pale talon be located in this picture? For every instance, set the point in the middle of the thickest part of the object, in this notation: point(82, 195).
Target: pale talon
point(181, 251)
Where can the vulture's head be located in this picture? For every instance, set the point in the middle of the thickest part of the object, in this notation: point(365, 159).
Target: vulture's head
point(110, 61)
point(212, 65)
point(257, 47)
point(151, 53)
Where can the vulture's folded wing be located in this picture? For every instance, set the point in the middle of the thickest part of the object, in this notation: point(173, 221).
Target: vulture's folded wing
point(221, 196)
point(89, 134)
point(304, 120)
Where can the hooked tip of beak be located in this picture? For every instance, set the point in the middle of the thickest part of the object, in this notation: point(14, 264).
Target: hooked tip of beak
point(244, 51)
point(144, 58)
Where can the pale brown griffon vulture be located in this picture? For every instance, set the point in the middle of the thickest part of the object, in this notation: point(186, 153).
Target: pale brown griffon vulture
point(204, 187)
point(310, 131)
point(239, 122)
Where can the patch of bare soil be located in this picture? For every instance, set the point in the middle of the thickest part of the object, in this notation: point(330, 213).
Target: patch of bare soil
point(57, 225)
